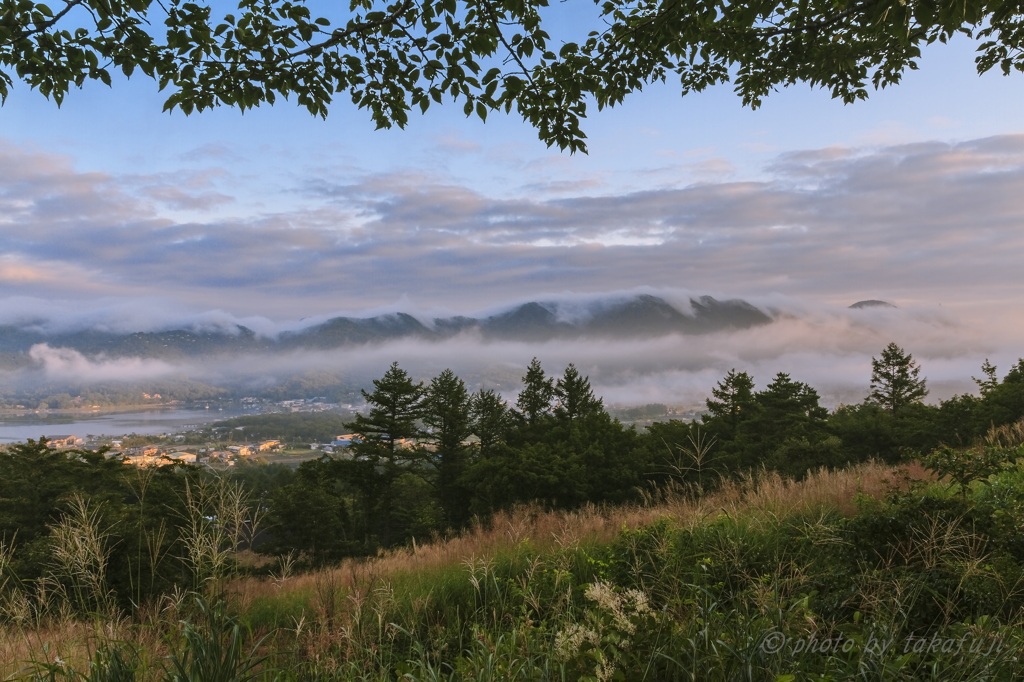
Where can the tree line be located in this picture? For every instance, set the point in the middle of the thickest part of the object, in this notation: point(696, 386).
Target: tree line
point(431, 457)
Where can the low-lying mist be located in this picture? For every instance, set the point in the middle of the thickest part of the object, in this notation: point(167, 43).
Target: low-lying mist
point(830, 348)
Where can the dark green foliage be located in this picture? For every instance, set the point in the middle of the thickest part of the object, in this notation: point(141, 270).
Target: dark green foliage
point(732, 401)
point(782, 427)
point(787, 409)
point(311, 515)
point(137, 512)
point(594, 459)
point(575, 398)
point(391, 58)
point(294, 427)
point(871, 430)
point(35, 480)
point(866, 431)
point(957, 422)
point(213, 648)
point(534, 401)
point(396, 405)
point(492, 420)
point(895, 380)
point(542, 472)
point(385, 449)
point(562, 455)
point(446, 413)
point(1002, 403)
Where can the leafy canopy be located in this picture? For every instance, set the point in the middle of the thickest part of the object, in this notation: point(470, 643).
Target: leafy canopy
point(392, 57)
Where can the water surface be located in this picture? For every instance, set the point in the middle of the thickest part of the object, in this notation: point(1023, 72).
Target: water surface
point(145, 423)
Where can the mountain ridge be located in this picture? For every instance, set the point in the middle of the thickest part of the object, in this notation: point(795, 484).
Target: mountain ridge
point(639, 316)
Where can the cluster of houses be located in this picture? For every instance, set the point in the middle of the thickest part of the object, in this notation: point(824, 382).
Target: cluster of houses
point(343, 441)
point(59, 442)
point(151, 455)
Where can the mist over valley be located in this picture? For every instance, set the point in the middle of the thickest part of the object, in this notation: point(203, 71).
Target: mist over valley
point(638, 347)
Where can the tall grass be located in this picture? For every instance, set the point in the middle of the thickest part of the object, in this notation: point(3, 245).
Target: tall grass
point(685, 587)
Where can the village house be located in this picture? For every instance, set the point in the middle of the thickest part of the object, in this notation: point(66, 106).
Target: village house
point(63, 441)
point(147, 460)
point(187, 457)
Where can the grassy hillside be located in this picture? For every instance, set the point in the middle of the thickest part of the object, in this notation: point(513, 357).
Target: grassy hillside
point(870, 572)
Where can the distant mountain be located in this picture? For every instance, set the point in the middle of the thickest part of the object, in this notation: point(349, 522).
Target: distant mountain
point(872, 304)
point(641, 316)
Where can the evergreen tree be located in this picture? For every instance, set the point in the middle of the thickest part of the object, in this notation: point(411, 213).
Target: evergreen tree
point(490, 420)
point(396, 405)
point(382, 452)
point(785, 400)
point(895, 381)
point(732, 402)
point(534, 401)
point(990, 381)
point(789, 432)
point(310, 514)
point(447, 414)
point(575, 397)
point(1003, 402)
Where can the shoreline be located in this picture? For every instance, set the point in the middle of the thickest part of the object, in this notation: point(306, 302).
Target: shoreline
point(7, 412)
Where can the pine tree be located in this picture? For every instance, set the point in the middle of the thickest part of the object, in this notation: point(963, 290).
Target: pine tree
point(490, 419)
point(395, 408)
point(733, 395)
point(534, 401)
point(785, 400)
point(575, 397)
point(447, 413)
point(991, 379)
point(895, 381)
point(396, 405)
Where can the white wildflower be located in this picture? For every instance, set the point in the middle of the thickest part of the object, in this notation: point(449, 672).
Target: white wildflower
point(569, 640)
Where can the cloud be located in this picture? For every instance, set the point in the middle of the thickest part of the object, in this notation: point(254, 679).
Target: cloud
point(828, 347)
point(67, 365)
point(930, 223)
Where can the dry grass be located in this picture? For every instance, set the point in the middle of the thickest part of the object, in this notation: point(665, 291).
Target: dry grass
point(1007, 436)
point(766, 496)
point(332, 599)
point(54, 635)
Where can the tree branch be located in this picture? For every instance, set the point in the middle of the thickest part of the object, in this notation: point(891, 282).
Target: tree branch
point(39, 28)
point(501, 37)
point(816, 25)
point(762, 32)
point(339, 35)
